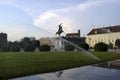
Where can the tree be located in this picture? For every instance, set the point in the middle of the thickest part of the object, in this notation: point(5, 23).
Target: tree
point(117, 43)
point(36, 43)
point(15, 48)
point(31, 42)
point(45, 48)
point(9, 43)
point(16, 43)
point(84, 46)
point(110, 45)
point(101, 47)
point(69, 47)
point(29, 48)
point(5, 48)
point(25, 41)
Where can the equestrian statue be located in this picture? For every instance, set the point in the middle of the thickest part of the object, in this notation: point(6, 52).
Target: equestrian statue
point(60, 30)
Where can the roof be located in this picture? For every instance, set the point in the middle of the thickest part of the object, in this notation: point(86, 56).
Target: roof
point(109, 29)
point(72, 34)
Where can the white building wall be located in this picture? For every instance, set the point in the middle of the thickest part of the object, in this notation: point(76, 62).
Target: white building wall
point(106, 38)
point(57, 43)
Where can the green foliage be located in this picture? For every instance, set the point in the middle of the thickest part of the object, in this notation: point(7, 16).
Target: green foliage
point(15, 48)
point(25, 41)
point(33, 43)
point(5, 48)
point(29, 48)
point(101, 47)
point(27, 44)
point(117, 43)
point(16, 43)
point(110, 45)
point(36, 43)
point(45, 48)
point(69, 47)
point(83, 45)
point(10, 43)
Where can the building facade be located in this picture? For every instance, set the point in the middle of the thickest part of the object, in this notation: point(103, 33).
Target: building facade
point(74, 37)
point(3, 39)
point(106, 34)
point(45, 41)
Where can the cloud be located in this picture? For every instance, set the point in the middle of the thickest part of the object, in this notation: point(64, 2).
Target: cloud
point(15, 22)
point(81, 16)
point(89, 4)
point(50, 21)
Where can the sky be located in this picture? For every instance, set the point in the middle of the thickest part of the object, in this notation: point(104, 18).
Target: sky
point(40, 18)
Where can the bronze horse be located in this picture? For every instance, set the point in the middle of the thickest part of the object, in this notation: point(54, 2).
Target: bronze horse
point(60, 30)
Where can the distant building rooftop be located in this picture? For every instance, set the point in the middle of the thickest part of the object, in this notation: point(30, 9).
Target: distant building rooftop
point(109, 29)
point(73, 34)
